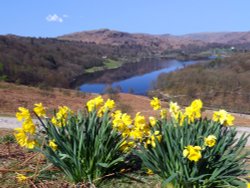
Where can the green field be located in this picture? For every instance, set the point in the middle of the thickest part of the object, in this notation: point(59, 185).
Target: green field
point(107, 64)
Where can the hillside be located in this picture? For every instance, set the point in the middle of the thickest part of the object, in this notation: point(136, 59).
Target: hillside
point(221, 83)
point(60, 61)
point(52, 62)
point(221, 37)
point(157, 42)
point(14, 96)
point(163, 43)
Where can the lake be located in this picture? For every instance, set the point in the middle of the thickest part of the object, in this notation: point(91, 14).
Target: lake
point(137, 78)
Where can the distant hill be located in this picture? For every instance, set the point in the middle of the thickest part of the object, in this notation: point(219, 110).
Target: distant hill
point(159, 42)
point(222, 37)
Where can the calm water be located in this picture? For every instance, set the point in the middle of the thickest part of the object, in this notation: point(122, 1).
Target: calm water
point(138, 78)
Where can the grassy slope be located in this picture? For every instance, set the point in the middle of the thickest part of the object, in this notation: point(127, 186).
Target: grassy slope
point(219, 83)
point(13, 96)
point(107, 64)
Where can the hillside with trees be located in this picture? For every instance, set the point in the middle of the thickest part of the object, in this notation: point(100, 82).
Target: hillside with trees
point(221, 83)
point(52, 62)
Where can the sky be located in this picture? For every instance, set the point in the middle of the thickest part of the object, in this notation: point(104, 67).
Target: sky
point(51, 18)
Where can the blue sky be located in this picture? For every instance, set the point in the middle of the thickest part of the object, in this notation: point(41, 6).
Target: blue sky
point(50, 18)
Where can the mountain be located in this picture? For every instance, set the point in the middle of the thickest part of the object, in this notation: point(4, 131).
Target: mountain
point(157, 42)
point(222, 37)
point(162, 42)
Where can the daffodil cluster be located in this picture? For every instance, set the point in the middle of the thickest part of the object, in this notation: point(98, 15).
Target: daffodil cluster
point(223, 117)
point(25, 134)
point(136, 130)
point(60, 118)
point(193, 153)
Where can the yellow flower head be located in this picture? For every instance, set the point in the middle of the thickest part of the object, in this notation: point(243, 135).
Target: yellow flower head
point(150, 172)
point(163, 113)
point(94, 103)
point(174, 109)
point(126, 119)
point(197, 104)
point(21, 177)
point(22, 114)
point(126, 146)
point(53, 145)
point(210, 141)
point(248, 185)
point(40, 110)
point(155, 103)
point(109, 104)
point(61, 116)
point(151, 139)
point(193, 153)
point(24, 139)
point(101, 111)
point(152, 121)
point(193, 111)
point(28, 126)
point(223, 117)
point(140, 121)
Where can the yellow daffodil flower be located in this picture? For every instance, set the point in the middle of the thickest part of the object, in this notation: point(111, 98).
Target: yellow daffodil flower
point(94, 103)
point(193, 153)
point(40, 110)
point(22, 114)
point(223, 117)
point(109, 104)
point(152, 121)
point(21, 177)
point(210, 141)
point(53, 145)
point(155, 103)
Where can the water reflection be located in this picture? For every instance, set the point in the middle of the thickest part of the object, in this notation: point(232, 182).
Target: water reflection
point(136, 77)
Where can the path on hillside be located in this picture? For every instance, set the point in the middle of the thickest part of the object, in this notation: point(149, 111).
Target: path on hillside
point(11, 123)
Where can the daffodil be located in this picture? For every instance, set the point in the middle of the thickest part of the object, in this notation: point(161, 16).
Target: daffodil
point(155, 103)
point(150, 172)
point(193, 153)
point(61, 116)
point(151, 139)
point(109, 104)
point(210, 141)
point(22, 114)
point(24, 139)
point(193, 111)
point(163, 113)
point(53, 145)
point(40, 110)
point(174, 109)
point(21, 177)
point(140, 121)
point(223, 117)
point(94, 103)
point(152, 121)
point(126, 146)
point(29, 126)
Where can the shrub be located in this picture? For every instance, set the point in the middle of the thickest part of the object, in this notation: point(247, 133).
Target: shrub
point(192, 151)
point(83, 145)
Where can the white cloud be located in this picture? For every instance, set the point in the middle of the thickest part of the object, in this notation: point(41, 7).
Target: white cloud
point(54, 18)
